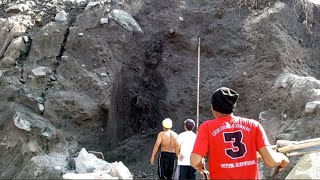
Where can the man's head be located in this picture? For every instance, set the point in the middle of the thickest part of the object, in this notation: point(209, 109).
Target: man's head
point(167, 123)
point(224, 100)
point(189, 124)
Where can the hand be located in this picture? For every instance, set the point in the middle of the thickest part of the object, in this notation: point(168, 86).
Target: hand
point(205, 172)
point(284, 163)
point(201, 167)
point(180, 157)
point(152, 160)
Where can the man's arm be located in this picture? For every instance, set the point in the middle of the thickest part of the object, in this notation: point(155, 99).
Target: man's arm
point(155, 148)
point(177, 147)
point(273, 159)
point(196, 161)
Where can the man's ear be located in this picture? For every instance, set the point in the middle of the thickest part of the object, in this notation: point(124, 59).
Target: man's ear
point(212, 111)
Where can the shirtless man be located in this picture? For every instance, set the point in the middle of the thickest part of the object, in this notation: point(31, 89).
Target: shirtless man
point(166, 139)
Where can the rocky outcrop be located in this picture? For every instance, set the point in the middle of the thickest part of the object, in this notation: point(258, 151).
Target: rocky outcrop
point(306, 168)
point(77, 73)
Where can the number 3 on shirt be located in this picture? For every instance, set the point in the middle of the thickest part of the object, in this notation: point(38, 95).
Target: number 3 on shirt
point(238, 149)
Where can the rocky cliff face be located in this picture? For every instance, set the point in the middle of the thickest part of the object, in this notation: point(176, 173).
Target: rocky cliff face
point(79, 74)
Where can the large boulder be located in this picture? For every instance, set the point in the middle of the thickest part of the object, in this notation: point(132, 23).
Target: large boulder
point(11, 28)
point(88, 163)
point(47, 166)
point(308, 167)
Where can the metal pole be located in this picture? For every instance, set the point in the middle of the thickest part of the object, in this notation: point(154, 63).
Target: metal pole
point(198, 86)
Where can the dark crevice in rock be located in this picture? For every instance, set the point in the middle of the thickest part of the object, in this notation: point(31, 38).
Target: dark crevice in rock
point(62, 49)
point(6, 44)
point(146, 95)
point(23, 58)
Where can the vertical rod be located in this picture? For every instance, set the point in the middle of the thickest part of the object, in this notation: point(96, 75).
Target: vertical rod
point(198, 86)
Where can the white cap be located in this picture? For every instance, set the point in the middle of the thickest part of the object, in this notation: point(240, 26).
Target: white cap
point(167, 123)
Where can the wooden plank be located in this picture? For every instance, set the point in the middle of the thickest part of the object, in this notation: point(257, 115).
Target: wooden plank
point(298, 146)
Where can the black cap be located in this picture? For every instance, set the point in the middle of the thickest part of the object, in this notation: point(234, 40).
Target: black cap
point(189, 124)
point(224, 100)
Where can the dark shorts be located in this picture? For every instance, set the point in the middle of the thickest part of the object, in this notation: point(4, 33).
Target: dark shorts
point(187, 172)
point(166, 165)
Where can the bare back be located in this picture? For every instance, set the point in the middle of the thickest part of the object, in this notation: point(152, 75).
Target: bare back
point(168, 139)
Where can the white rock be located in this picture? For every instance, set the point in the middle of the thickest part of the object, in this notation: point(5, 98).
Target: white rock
point(41, 71)
point(17, 8)
point(92, 4)
point(119, 170)
point(64, 57)
point(15, 48)
point(88, 163)
point(311, 106)
point(94, 175)
point(25, 39)
point(41, 107)
point(181, 19)
point(80, 34)
point(104, 20)
point(61, 16)
point(308, 167)
point(21, 123)
point(125, 20)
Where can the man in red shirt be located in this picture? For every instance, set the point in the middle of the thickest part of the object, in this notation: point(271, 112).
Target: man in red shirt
point(232, 142)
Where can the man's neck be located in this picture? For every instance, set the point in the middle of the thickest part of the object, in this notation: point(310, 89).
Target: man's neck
point(218, 114)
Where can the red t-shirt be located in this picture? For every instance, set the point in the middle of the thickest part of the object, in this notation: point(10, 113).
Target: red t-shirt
point(232, 143)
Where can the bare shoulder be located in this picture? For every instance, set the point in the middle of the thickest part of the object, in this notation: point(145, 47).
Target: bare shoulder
point(174, 134)
point(160, 134)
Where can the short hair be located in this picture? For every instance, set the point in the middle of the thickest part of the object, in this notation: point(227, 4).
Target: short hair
point(189, 123)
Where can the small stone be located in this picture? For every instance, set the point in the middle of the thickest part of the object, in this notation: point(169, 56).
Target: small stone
point(181, 19)
point(25, 39)
point(53, 78)
point(311, 106)
point(64, 57)
point(90, 5)
point(284, 116)
point(7, 62)
point(41, 107)
point(104, 20)
point(41, 71)
point(40, 100)
point(244, 73)
point(80, 34)
point(61, 16)
point(103, 74)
